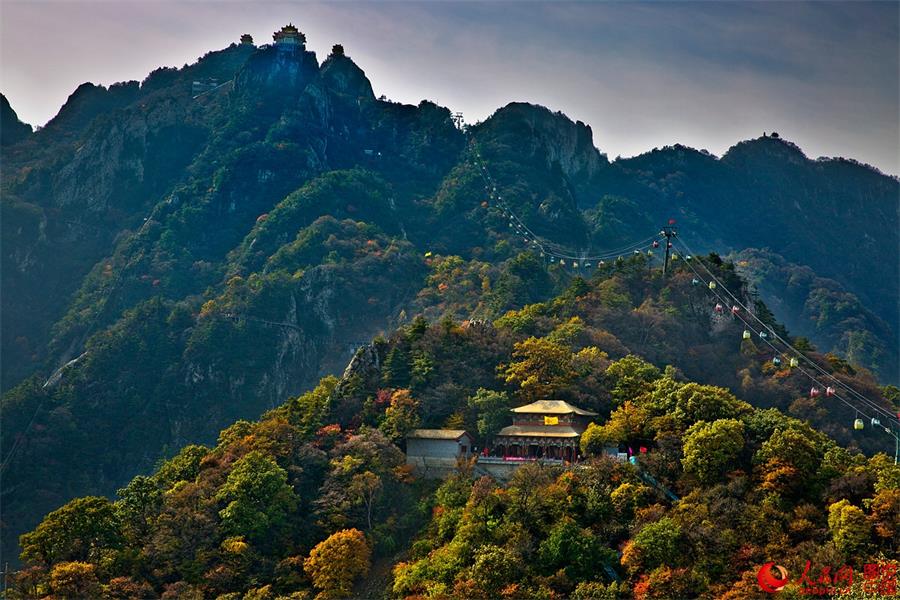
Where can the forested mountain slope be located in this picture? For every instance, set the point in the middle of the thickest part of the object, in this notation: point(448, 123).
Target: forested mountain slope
point(197, 257)
point(298, 502)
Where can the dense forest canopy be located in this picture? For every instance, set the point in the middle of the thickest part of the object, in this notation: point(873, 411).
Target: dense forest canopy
point(322, 479)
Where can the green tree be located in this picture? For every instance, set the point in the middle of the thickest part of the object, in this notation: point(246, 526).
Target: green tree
point(492, 409)
point(573, 549)
point(336, 562)
point(396, 371)
point(626, 423)
point(695, 402)
point(657, 544)
point(257, 498)
point(630, 377)
point(138, 503)
point(710, 449)
point(310, 411)
point(184, 466)
point(77, 532)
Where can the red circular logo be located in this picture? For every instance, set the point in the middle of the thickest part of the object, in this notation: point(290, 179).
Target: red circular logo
point(767, 581)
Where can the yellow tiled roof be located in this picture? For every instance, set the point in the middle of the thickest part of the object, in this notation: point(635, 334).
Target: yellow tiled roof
point(558, 431)
point(552, 407)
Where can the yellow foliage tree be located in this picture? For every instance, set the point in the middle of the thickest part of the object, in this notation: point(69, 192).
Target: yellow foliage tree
point(336, 562)
point(542, 367)
point(74, 580)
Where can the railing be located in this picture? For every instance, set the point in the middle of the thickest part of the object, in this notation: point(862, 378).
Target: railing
point(500, 460)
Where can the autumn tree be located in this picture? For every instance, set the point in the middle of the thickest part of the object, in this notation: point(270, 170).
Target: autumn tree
point(401, 416)
point(494, 568)
point(626, 423)
point(789, 460)
point(74, 581)
point(849, 527)
point(335, 563)
point(540, 369)
point(361, 474)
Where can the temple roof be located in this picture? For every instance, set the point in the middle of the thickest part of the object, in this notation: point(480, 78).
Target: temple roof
point(550, 431)
point(437, 434)
point(552, 407)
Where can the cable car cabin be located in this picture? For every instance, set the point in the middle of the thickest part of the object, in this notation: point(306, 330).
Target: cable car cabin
point(655, 244)
point(636, 252)
point(776, 361)
point(688, 257)
point(813, 392)
point(735, 310)
point(649, 252)
point(763, 335)
point(858, 424)
point(712, 285)
point(719, 309)
point(695, 281)
point(674, 256)
point(876, 422)
point(829, 391)
point(795, 363)
point(746, 334)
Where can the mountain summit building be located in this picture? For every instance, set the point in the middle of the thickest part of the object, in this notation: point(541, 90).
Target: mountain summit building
point(546, 429)
point(289, 38)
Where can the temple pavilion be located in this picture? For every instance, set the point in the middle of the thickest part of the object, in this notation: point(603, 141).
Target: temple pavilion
point(289, 38)
point(546, 429)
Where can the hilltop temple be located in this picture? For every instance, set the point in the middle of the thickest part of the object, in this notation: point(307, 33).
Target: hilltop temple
point(546, 429)
point(289, 38)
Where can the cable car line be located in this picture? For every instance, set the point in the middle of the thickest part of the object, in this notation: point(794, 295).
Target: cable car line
point(796, 352)
point(547, 247)
point(767, 329)
point(812, 377)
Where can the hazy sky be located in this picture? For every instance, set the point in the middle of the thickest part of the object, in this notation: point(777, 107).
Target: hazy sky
point(704, 74)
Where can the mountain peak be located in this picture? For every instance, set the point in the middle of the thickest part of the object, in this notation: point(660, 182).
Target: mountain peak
point(12, 130)
point(768, 145)
point(571, 143)
point(344, 76)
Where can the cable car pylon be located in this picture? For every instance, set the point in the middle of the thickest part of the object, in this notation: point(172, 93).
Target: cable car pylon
point(669, 232)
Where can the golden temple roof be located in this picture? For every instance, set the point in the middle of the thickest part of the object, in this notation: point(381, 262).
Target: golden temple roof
point(550, 431)
point(552, 407)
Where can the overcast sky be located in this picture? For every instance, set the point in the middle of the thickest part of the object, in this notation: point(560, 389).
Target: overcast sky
point(642, 75)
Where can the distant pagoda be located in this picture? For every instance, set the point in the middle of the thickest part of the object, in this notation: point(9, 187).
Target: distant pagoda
point(289, 38)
